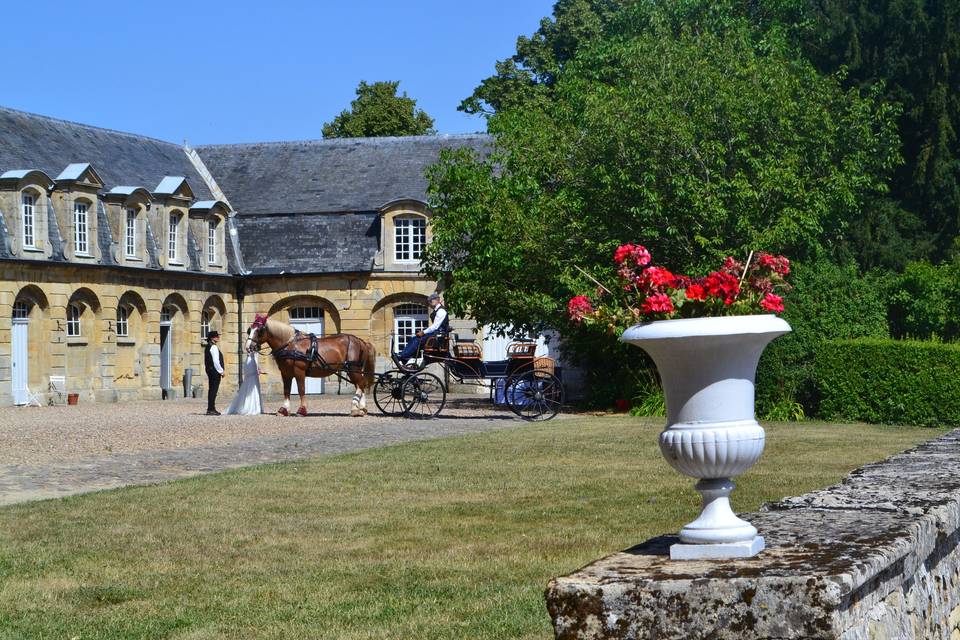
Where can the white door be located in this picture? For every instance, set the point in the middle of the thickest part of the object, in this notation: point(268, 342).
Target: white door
point(166, 356)
point(308, 320)
point(18, 338)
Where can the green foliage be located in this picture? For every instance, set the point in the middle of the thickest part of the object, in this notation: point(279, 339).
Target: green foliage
point(888, 381)
point(379, 111)
point(924, 302)
point(827, 302)
point(697, 142)
point(910, 50)
point(531, 73)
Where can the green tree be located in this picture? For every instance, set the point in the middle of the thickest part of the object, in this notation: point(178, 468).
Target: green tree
point(910, 49)
point(691, 134)
point(379, 111)
point(530, 74)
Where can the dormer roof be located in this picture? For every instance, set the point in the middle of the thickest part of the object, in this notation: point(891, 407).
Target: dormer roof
point(17, 175)
point(174, 186)
point(82, 172)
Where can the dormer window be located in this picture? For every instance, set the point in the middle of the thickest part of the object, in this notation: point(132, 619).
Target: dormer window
point(172, 243)
point(80, 229)
point(28, 221)
point(212, 242)
point(410, 238)
point(130, 234)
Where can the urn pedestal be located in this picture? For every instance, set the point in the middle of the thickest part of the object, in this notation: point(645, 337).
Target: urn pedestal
point(708, 367)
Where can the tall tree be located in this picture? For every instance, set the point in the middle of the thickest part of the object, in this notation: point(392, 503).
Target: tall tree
point(690, 134)
point(533, 70)
point(911, 50)
point(379, 111)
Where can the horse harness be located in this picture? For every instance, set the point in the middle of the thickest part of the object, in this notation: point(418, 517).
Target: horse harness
point(313, 358)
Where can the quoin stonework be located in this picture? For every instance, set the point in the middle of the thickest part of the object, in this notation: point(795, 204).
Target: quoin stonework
point(119, 252)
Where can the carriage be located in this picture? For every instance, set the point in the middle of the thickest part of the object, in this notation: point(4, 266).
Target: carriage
point(524, 382)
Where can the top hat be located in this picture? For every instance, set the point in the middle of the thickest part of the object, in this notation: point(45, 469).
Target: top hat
point(213, 334)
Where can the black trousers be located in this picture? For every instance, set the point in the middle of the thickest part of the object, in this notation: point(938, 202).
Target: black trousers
point(214, 385)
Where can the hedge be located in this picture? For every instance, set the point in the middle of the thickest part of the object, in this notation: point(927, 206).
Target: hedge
point(889, 381)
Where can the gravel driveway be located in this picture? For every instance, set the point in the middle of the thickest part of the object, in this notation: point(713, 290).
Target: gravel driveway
point(50, 452)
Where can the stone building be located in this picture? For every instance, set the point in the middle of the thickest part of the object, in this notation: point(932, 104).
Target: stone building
point(119, 252)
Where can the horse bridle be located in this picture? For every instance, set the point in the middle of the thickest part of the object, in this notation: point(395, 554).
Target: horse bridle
point(260, 323)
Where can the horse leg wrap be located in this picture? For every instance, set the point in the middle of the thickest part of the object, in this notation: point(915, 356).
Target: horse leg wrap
point(282, 411)
point(302, 411)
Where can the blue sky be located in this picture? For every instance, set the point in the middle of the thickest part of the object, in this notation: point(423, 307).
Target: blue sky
point(242, 71)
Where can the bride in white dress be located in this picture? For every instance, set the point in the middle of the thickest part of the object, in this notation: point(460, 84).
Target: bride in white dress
point(247, 401)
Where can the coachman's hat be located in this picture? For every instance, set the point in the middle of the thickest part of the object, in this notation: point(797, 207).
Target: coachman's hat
point(213, 334)
point(433, 296)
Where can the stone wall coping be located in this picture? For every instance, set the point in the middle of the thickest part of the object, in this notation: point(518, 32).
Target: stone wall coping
point(831, 554)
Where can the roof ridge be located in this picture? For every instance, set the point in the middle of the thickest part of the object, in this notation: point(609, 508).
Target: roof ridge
point(39, 116)
point(347, 141)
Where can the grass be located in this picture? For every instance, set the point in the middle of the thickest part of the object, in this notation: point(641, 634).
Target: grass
point(452, 538)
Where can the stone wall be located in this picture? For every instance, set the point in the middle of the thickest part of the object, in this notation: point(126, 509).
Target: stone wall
point(874, 557)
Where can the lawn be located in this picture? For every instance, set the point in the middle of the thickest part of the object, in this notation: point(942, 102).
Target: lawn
point(452, 538)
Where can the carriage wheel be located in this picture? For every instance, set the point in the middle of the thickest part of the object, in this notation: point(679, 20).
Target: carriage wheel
point(534, 395)
point(422, 395)
point(387, 393)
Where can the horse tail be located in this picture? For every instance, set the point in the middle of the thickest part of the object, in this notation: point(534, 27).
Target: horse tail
point(369, 364)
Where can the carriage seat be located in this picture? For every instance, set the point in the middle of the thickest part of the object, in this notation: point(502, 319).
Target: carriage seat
point(437, 344)
point(521, 349)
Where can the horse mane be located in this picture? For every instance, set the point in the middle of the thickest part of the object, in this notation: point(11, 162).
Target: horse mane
point(281, 330)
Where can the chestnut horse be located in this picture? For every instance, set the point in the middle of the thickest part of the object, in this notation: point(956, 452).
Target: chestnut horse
point(341, 354)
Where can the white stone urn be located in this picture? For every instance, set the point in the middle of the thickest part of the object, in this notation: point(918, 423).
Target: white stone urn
point(708, 367)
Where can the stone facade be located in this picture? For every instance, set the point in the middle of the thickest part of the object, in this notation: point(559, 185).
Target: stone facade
point(873, 558)
point(114, 267)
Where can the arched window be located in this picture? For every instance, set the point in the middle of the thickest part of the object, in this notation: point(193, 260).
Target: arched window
point(21, 310)
point(408, 318)
point(410, 237)
point(74, 312)
point(172, 243)
point(130, 234)
point(81, 229)
point(28, 220)
point(123, 322)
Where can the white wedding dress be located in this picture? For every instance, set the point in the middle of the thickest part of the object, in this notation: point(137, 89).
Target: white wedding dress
point(247, 401)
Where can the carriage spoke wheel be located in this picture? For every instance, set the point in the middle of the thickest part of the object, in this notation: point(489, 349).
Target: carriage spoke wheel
point(387, 393)
point(422, 395)
point(534, 395)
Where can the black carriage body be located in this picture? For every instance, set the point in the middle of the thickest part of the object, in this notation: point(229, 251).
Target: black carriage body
point(523, 382)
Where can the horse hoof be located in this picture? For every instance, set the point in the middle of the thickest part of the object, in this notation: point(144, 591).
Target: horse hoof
point(282, 411)
point(356, 413)
point(302, 411)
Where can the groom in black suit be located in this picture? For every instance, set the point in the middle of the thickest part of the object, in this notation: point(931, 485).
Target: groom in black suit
point(213, 363)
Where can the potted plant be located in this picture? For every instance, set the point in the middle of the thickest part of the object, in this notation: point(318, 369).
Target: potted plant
point(705, 334)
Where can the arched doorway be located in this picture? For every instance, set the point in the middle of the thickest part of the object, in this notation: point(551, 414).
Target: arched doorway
point(175, 343)
point(309, 314)
point(20, 354)
point(29, 359)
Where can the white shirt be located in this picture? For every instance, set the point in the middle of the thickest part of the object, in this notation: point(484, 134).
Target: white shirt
point(215, 356)
point(437, 321)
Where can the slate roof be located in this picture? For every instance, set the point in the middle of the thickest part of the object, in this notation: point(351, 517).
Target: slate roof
point(31, 141)
point(308, 243)
point(337, 175)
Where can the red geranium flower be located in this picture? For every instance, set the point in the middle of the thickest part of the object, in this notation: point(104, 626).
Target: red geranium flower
point(658, 303)
point(657, 277)
point(723, 285)
point(578, 307)
point(772, 302)
point(696, 292)
point(635, 253)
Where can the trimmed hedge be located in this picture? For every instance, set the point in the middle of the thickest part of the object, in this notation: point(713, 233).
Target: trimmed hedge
point(889, 381)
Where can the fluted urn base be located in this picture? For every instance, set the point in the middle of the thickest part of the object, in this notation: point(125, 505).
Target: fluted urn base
point(707, 366)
